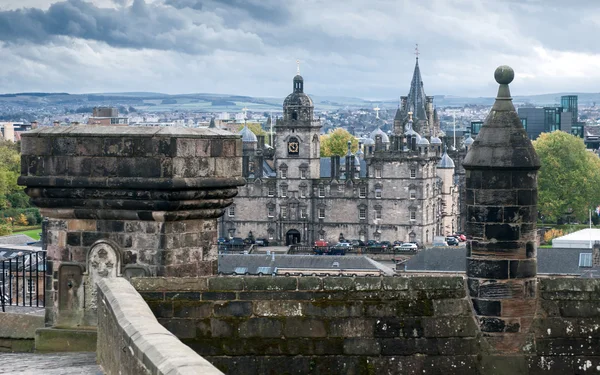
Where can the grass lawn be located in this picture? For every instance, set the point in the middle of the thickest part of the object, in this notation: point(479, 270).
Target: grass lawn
point(33, 233)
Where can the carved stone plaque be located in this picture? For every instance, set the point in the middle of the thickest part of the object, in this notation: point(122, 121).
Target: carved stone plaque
point(70, 277)
point(103, 262)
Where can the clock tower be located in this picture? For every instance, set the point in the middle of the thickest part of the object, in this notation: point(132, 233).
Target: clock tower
point(297, 145)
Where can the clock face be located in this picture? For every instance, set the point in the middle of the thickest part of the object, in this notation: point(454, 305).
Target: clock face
point(293, 147)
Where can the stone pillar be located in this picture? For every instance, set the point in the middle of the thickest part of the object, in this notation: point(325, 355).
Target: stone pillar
point(501, 198)
point(126, 201)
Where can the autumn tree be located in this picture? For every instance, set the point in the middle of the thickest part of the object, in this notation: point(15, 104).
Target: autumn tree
point(569, 176)
point(10, 169)
point(336, 143)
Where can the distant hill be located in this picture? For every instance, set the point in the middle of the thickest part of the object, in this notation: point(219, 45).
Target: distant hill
point(208, 102)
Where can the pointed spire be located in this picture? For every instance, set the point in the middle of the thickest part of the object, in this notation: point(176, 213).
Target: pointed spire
point(298, 67)
point(349, 153)
point(502, 141)
point(416, 95)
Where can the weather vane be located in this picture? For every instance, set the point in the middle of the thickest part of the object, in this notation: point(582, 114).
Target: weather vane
point(298, 69)
point(417, 50)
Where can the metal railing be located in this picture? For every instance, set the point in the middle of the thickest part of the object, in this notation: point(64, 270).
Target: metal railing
point(23, 280)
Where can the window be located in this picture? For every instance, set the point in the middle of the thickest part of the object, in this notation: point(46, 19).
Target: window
point(378, 193)
point(284, 191)
point(271, 211)
point(303, 213)
point(284, 212)
point(413, 215)
point(271, 192)
point(413, 194)
point(303, 174)
point(585, 259)
point(378, 172)
point(362, 213)
point(378, 213)
point(427, 191)
point(31, 286)
point(321, 213)
point(232, 211)
point(362, 191)
point(302, 192)
point(284, 173)
point(321, 191)
point(413, 173)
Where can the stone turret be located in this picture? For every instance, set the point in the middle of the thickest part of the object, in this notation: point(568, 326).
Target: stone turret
point(501, 197)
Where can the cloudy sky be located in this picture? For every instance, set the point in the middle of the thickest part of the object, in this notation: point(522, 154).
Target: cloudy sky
point(361, 48)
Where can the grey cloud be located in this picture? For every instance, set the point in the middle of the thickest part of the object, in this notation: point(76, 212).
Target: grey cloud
point(138, 26)
point(269, 11)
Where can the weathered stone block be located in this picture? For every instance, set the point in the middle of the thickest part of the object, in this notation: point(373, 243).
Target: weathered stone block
point(407, 347)
point(361, 346)
point(337, 309)
point(304, 327)
point(368, 283)
point(487, 268)
point(449, 327)
point(352, 327)
point(270, 283)
point(338, 283)
point(310, 283)
point(278, 308)
point(226, 283)
point(192, 309)
point(234, 308)
point(445, 283)
point(260, 327)
point(395, 283)
point(487, 307)
point(451, 307)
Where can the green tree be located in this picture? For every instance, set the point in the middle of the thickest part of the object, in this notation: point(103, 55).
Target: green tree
point(569, 177)
point(336, 143)
point(10, 169)
point(255, 127)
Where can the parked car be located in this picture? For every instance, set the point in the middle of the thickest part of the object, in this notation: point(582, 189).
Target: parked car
point(222, 241)
point(357, 243)
point(398, 242)
point(385, 244)
point(451, 241)
point(372, 243)
point(321, 243)
point(236, 241)
point(344, 245)
point(261, 242)
point(339, 249)
point(406, 246)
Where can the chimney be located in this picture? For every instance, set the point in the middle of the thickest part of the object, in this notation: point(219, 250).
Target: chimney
point(335, 167)
point(596, 255)
point(56, 123)
point(34, 124)
point(261, 142)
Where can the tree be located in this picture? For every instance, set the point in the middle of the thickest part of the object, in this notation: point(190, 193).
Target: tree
point(569, 176)
point(336, 143)
point(21, 220)
point(255, 127)
point(10, 169)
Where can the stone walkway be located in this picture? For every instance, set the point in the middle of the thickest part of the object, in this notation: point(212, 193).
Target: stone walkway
point(49, 364)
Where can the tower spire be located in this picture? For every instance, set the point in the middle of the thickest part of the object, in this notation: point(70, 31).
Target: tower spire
point(417, 50)
point(298, 67)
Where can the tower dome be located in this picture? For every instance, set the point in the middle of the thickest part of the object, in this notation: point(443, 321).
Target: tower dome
point(298, 106)
point(469, 141)
point(435, 141)
point(247, 135)
point(384, 137)
point(446, 162)
point(368, 142)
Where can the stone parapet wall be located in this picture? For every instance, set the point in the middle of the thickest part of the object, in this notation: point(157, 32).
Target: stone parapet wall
point(17, 331)
point(369, 325)
point(131, 341)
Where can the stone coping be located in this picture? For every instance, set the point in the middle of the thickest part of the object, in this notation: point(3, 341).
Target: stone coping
point(19, 326)
point(148, 341)
point(128, 131)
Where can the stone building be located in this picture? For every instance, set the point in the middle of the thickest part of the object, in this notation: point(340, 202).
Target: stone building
point(396, 187)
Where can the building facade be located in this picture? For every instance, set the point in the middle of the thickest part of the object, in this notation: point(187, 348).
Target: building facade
point(396, 187)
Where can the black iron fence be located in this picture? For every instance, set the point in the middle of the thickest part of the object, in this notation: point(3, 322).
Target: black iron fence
point(23, 280)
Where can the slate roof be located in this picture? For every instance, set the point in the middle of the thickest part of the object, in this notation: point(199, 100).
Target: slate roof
point(252, 262)
point(16, 239)
point(326, 167)
point(440, 259)
point(553, 261)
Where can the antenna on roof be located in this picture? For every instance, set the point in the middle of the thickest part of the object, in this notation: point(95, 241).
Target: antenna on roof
point(417, 50)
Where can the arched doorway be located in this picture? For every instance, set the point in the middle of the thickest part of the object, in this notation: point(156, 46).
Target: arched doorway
point(292, 237)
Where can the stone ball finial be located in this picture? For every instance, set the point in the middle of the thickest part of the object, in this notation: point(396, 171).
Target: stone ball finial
point(504, 74)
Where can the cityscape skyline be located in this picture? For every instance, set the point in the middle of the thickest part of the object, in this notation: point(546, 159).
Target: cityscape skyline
point(360, 49)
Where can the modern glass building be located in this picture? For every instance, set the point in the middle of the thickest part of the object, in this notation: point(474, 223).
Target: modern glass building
point(475, 127)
